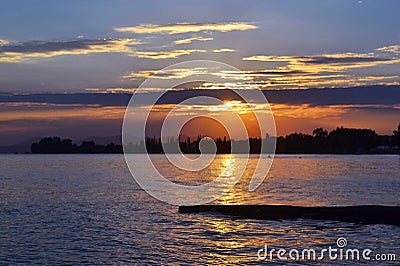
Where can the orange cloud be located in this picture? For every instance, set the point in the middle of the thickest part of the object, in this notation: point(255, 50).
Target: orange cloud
point(224, 50)
point(186, 27)
point(390, 49)
point(307, 111)
point(175, 73)
point(166, 54)
point(47, 111)
point(327, 62)
point(318, 81)
point(326, 70)
point(40, 50)
point(190, 40)
point(3, 42)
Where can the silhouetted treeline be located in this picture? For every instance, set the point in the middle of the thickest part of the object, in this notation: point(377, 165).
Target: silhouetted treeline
point(338, 141)
point(57, 145)
point(206, 145)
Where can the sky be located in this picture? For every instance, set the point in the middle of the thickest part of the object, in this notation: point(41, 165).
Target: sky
point(66, 66)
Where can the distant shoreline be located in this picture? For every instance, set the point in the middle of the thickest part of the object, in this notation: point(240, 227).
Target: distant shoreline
point(339, 141)
point(30, 153)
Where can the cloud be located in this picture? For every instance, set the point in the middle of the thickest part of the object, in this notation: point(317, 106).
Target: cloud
point(267, 79)
point(48, 111)
point(190, 40)
point(307, 111)
point(212, 106)
point(326, 70)
point(179, 73)
point(390, 49)
point(223, 50)
point(120, 90)
point(323, 81)
point(139, 75)
point(18, 52)
point(111, 90)
point(288, 105)
point(68, 98)
point(290, 82)
point(166, 54)
point(3, 42)
point(175, 73)
point(326, 63)
point(387, 95)
point(186, 27)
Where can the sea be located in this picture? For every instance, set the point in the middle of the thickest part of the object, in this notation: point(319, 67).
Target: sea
point(87, 209)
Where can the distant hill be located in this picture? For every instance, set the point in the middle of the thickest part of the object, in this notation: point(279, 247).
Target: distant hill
point(25, 146)
point(22, 147)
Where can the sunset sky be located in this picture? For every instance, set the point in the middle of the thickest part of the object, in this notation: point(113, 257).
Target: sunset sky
point(67, 67)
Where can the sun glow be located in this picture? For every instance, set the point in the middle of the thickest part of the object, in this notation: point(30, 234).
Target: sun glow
point(238, 106)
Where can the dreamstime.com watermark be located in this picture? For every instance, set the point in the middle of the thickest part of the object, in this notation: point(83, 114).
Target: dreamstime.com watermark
point(336, 253)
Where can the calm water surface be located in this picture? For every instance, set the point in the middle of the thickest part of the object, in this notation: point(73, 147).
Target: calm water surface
point(76, 209)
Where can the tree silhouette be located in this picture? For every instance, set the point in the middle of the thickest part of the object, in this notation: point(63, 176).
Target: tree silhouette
point(320, 133)
point(396, 136)
point(56, 145)
point(339, 141)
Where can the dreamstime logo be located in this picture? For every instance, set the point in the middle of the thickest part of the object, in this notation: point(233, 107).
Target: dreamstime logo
point(331, 253)
point(246, 101)
point(341, 242)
